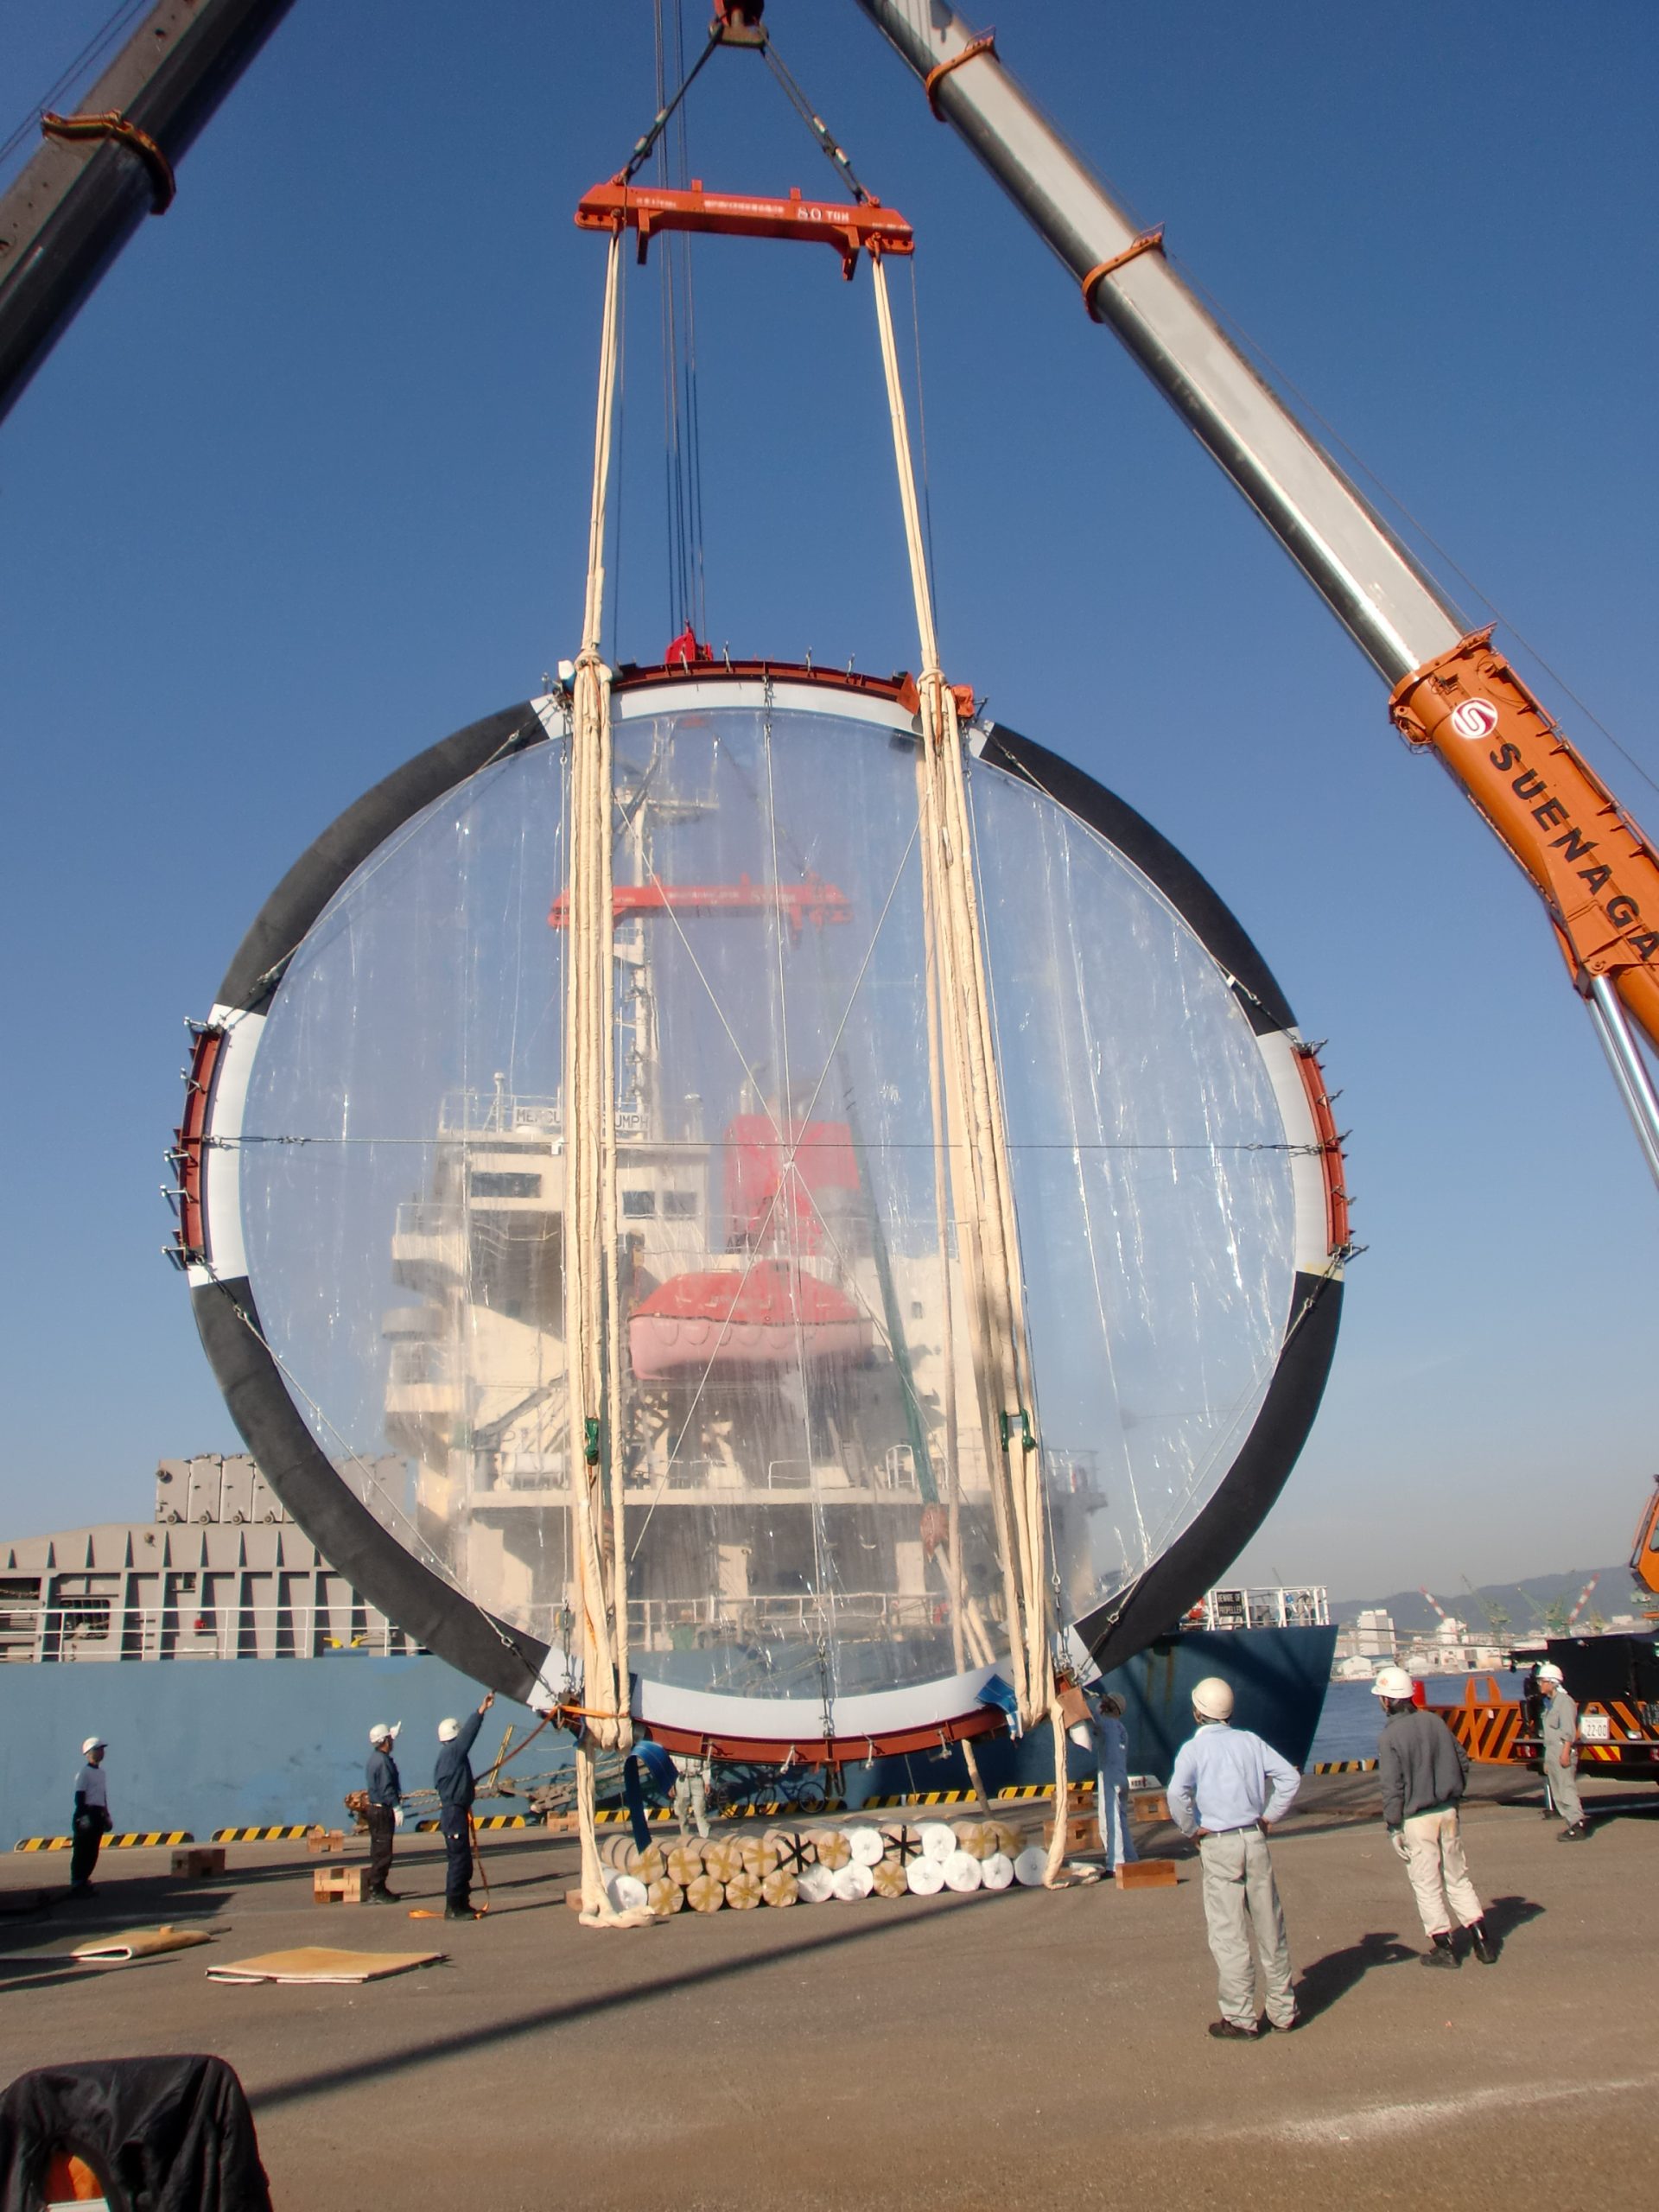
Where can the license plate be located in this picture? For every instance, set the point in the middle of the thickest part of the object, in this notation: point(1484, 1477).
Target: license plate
point(1595, 1728)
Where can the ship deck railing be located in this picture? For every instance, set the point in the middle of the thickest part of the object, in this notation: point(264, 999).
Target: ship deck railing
point(99, 1628)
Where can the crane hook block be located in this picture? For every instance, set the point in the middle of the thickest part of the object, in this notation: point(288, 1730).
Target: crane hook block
point(869, 227)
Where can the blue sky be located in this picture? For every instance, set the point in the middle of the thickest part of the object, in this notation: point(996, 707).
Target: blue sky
point(304, 488)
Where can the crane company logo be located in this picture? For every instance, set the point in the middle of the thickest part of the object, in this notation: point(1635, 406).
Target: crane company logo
point(1474, 718)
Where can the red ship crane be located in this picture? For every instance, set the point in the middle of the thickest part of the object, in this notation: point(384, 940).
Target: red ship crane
point(812, 900)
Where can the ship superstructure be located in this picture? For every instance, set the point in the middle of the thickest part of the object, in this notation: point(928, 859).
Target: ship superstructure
point(785, 1350)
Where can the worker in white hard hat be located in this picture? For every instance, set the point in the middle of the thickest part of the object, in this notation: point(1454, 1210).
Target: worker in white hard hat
point(1111, 1741)
point(384, 1790)
point(1560, 1736)
point(92, 1821)
point(1227, 1788)
point(452, 1778)
point(1424, 1770)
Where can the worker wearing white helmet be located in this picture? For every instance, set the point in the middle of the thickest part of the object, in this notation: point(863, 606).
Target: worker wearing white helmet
point(1561, 1735)
point(1423, 1771)
point(1228, 1787)
point(384, 1790)
point(452, 1778)
point(92, 1820)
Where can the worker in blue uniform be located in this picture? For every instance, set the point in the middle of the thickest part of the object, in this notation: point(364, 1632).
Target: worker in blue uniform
point(1111, 1745)
point(1227, 1788)
point(384, 1790)
point(452, 1778)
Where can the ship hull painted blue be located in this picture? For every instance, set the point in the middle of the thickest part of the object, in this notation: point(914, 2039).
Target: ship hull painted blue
point(1279, 1677)
point(268, 1742)
point(232, 1743)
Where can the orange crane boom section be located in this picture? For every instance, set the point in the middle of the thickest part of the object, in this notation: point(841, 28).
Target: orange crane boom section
point(1588, 858)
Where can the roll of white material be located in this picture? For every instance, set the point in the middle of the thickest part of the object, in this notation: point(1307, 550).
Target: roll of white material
point(868, 1845)
point(627, 1892)
point(814, 1886)
point(852, 1882)
point(962, 1870)
point(1030, 1865)
point(997, 1871)
point(938, 1840)
point(925, 1876)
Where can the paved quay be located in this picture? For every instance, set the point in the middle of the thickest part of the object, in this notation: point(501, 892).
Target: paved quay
point(964, 2054)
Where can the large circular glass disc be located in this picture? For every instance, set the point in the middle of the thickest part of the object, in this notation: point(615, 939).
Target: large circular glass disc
point(808, 1513)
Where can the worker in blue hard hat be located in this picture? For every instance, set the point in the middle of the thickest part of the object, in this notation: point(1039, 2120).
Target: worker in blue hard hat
point(1561, 1735)
point(452, 1778)
point(1227, 1788)
point(1423, 1769)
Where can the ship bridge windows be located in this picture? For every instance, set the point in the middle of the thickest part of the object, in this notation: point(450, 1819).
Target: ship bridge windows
point(679, 1205)
point(486, 1182)
point(639, 1205)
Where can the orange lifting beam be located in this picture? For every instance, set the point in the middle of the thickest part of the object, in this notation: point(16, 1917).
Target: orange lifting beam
point(616, 206)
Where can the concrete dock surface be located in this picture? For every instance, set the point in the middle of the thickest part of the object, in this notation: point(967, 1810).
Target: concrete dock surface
point(962, 2053)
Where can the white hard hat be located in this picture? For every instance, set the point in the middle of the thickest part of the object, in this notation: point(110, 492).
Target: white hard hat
point(1392, 1682)
point(1213, 1697)
point(448, 1731)
point(1550, 1672)
point(380, 1734)
point(97, 1744)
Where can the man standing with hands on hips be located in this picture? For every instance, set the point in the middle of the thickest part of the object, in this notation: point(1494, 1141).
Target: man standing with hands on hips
point(1227, 1787)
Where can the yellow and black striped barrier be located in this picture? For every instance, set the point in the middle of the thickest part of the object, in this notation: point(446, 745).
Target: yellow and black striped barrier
point(263, 1835)
point(1344, 1766)
point(139, 1840)
point(484, 1820)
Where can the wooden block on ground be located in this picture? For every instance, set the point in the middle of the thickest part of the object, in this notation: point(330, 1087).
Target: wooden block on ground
point(324, 1842)
point(1146, 1874)
point(1082, 1831)
point(339, 1885)
point(560, 1823)
point(1148, 1805)
point(197, 1860)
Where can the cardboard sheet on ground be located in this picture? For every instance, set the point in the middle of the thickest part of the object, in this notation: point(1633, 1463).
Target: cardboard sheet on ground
point(140, 1944)
point(320, 1962)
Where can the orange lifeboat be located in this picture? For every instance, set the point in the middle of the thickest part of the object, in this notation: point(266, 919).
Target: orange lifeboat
point(769, 1317)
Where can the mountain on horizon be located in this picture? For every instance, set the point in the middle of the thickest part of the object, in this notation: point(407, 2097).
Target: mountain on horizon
point(1524, 1604)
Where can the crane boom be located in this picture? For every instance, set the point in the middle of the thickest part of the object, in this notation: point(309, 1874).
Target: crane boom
point(99, 173)
point(1451, 692)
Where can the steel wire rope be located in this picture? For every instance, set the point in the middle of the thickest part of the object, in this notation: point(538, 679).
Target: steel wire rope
point(112, 25)
point(1229, 322)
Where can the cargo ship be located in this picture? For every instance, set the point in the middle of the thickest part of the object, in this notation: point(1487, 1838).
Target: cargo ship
point(236, 1673)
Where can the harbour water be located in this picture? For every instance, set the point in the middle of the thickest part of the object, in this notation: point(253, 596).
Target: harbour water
point(1351, 1721)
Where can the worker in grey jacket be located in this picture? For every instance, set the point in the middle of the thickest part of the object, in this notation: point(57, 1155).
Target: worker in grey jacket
point(1561, 1733)
point(1226, 1787)
point(384, 1790)
point(1424, 1770)
point(452, 1778)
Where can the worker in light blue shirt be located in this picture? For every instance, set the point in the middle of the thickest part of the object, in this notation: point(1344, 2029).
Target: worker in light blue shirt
point(1228, 1786)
